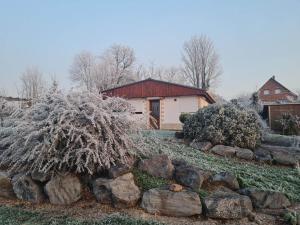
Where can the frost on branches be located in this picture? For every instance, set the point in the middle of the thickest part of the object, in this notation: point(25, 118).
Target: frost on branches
point(78, 132)
point(6, 109)
point(224, 124)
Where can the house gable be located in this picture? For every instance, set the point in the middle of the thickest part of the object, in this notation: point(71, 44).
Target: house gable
point(155, 88)
point(273, 91)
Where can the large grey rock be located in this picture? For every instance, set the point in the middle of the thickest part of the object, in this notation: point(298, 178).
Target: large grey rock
point(266, 199)
point(39, 176)
point(121, 192)
point(6, 188)
point(284, 158)
point(158, 166)
point(121, 169)
point(190, 176)
point(27, 189)
point(64, 189)
point(243, 153)
point(262, 155)
point(118, 170)
point(223, 150)
point(165, 202)
point(201, 145)
point(227, 205)
point(226, 179)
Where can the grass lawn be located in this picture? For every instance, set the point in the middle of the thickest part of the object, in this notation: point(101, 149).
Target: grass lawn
point(286, 180)
point(18, 216)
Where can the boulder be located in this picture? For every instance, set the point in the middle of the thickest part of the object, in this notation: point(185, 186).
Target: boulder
point(202, 146)
point(262, 155)
point(223, 150)
point(158, 166)
point(266, 199)
point(6, 188)
point(39, 176)
point(165, 202)
point(121, 169)
point(284, 158)
point(64, 189)
point(190, 176)
point(118, 170)
point(225, 179)
point(121, 192)
point(243, 153)
point(27, 189)
point(175, 187)
point(227, 205)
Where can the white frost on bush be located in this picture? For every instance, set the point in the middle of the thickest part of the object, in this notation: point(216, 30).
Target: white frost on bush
point(224, 124)
point(78, 132)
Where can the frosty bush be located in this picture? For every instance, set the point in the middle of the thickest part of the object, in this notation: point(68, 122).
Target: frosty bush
point(183, 117)
point(224, 124)
point(290, 124)
point(78, 132)
point(6, 110)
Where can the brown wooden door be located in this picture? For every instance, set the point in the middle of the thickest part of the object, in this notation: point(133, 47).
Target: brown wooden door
point(155, 114)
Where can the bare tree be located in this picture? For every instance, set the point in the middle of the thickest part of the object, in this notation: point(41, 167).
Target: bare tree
point(170, 74)
point(82, 69)
point(2, 92)
point(32, 84)
point(201, 62)
point(113, 68)
point(298, 93)
point(119, 61)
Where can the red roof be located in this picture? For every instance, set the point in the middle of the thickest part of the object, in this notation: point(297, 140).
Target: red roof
point(156, 88)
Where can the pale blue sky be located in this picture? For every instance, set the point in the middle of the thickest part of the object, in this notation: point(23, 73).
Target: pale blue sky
point(255, 39)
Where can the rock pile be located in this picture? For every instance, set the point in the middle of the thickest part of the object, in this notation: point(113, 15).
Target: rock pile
point(181, 198)
point(286, 156)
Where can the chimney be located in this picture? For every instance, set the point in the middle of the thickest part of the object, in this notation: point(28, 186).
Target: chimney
point(273, 77)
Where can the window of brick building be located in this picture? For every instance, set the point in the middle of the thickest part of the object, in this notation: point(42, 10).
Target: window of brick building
point(266, 92)
point(277, 91)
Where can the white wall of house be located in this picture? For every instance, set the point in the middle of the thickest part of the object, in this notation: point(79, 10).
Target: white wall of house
point(138, 104)
point(141, 107)
point(170, 109)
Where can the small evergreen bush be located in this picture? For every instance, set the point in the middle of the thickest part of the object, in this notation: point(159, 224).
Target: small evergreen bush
point(225, 124)
point(290, 124)
point(183, 117)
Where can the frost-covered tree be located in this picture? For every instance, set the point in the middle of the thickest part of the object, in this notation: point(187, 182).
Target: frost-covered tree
point(249, 101)
point(201, 63)
point(112, 68)
point(6, 110)
point(83, 69)
point(78, 132)
point(32, 84)
point(170, 74)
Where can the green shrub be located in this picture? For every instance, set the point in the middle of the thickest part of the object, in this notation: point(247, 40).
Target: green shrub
point(183, 117)
point(291, 217)
point(224, 124)
point(290, 124)
point(147, 181)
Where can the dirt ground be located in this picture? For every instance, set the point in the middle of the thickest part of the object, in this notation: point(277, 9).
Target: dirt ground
point(90, 209)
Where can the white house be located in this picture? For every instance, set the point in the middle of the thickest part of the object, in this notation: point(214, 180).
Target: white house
point(162, 100)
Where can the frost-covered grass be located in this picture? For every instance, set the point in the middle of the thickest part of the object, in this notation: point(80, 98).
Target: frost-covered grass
point(17, 216)
point(286, 180)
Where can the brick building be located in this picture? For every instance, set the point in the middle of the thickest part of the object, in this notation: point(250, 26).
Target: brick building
point(273, 113)
point(274, 92)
